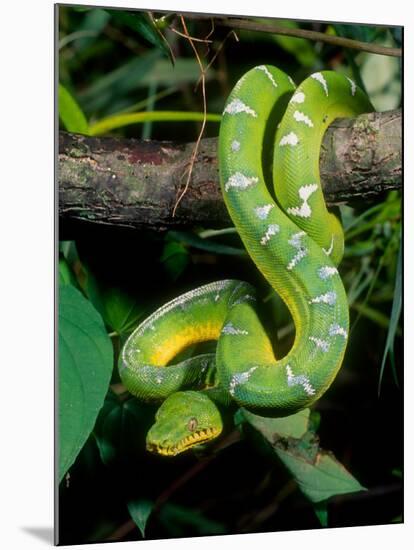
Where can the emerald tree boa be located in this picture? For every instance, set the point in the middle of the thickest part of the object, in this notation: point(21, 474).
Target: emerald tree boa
point(270, 137)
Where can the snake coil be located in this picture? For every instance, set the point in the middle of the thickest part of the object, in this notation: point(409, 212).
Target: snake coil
point(271, 132)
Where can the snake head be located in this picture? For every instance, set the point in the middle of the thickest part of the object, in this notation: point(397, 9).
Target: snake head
point(185, 419)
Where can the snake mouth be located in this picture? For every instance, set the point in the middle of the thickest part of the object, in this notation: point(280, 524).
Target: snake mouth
point(190, 440)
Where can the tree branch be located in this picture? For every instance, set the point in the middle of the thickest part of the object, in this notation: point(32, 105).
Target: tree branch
point(126, 182)
point(274, 28)
point(311, 35)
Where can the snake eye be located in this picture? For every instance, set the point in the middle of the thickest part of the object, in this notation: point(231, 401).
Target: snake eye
point(192, 424)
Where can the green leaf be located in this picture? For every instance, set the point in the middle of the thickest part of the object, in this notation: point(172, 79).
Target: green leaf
point(321, 511)
point(393, 324)
point(372, 314)
point(382, 79)
point(85, 366)
point(319, 479)
point(178, 519)
point(66, 275)
point(202, 243)
point(273, 429)
point(303, 50)
point(106, 431)
point(142, 24)
point(318, 474)
point(70, 113)
point(140, 510)
point(185, 71)
point(120, 311)
point(175, 259)
point(112, 122)
point(94, 21)
point(118, 83)
point(137, 73)
point(69, 251)
point(121, 429)
point(364, 33)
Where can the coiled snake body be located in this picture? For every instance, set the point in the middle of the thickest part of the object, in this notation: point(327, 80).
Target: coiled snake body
point(295, 243)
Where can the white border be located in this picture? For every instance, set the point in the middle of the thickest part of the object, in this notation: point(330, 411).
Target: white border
point(26, 483)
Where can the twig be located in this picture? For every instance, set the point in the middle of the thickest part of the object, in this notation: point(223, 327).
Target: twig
point(130, 525)
point(203, 124)
point(157, 28)
point(204, 40)
point(248, 24)
point(251, 521)
point(218, 51)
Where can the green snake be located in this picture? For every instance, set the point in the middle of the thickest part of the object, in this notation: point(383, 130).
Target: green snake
point(271, 132)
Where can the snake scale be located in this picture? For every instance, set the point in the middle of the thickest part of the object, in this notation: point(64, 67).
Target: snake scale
point(271, 132)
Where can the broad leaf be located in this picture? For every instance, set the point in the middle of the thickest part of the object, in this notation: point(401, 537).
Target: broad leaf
point(121, 429)
point(85, 367)
point(273, 429)
point(120, 311)
point(317, 472)
point(320, 478)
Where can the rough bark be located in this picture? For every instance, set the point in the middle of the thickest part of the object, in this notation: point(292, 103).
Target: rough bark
point(134, 183)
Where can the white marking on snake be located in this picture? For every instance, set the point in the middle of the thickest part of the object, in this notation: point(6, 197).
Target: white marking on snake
point(327, 298)
point(296, 242)
point(271, 230)
point(329, 251)
point(240, 378)
point(235, 145)
point(263, 211)
point(217, 297)
point(326, 272)
point(267, 73)
point(229, 328)
point(320, 78)
point(301, 380)
point(353, 85)
point(289, 139)
point(159, 377)
point(291, 81)
point(321, 344)
point(237, 106)
point(304, 210)
point(298, 97)
point(301, 117)
point(337, 329)
point(240, 181)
